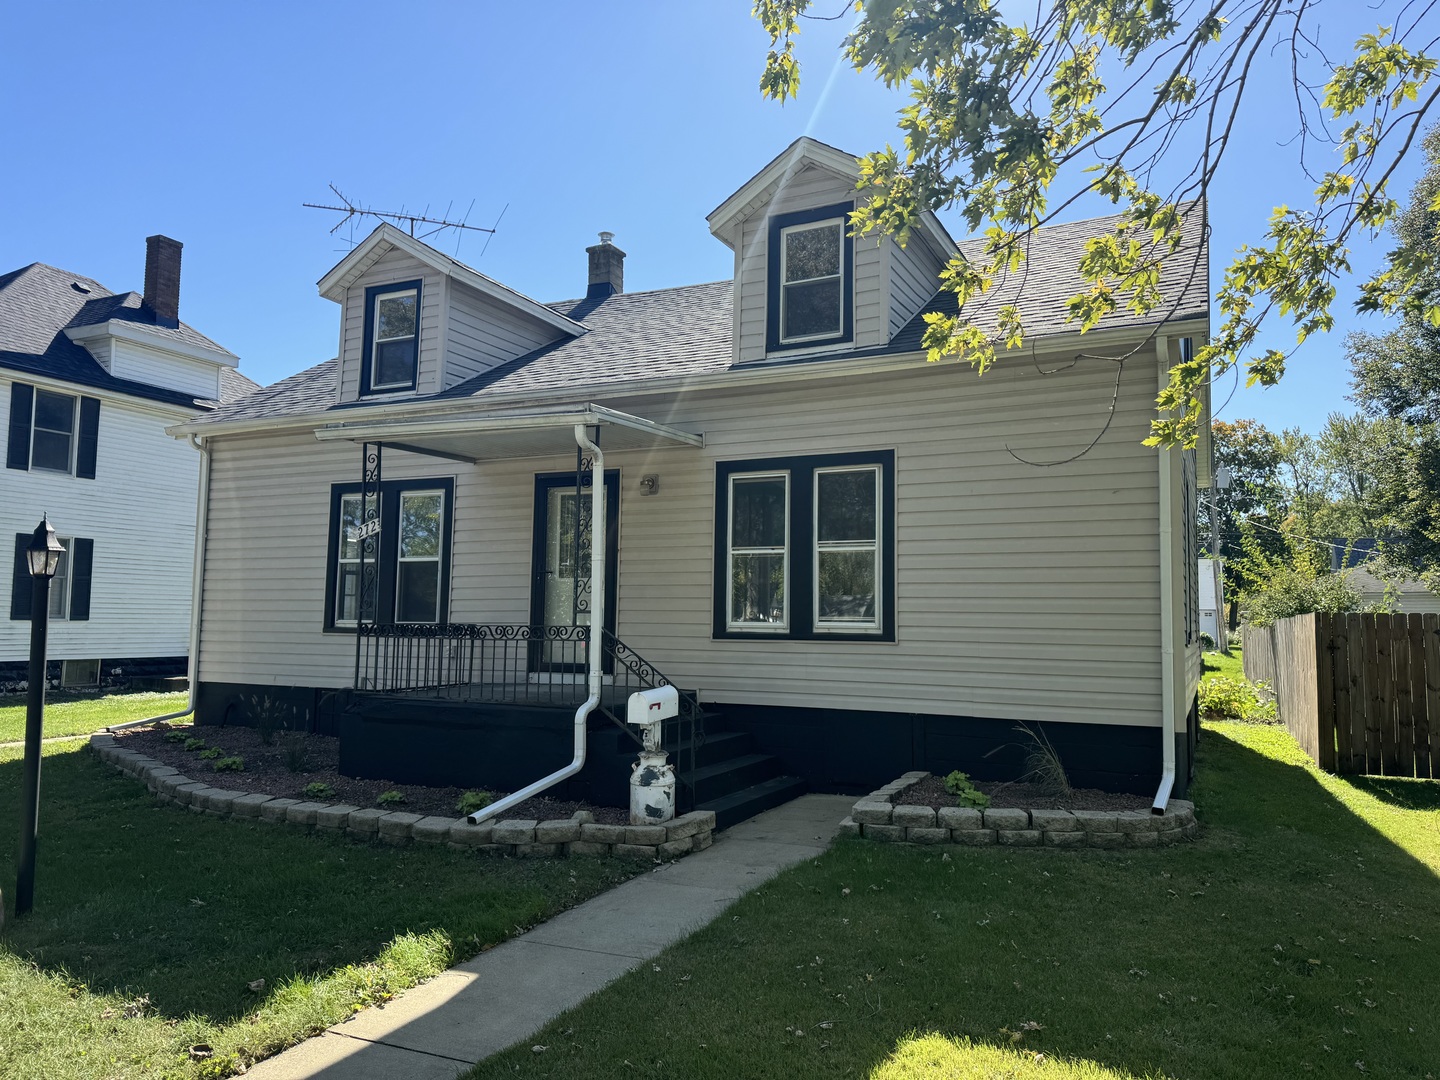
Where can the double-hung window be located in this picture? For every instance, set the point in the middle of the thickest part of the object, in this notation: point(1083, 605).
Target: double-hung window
point(70, 588)
point(804, 547)
point(392, 337)
point(394, 565)
point(811, 267)
point(52, 431)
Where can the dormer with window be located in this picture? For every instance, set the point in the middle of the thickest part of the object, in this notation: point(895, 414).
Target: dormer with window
point(803, 285)
point(415, 322)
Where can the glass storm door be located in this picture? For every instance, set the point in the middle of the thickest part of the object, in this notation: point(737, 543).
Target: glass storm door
point(561, 587)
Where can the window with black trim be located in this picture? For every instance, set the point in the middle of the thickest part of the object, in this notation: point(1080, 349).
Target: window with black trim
point(52, 431)
point(408, 541)
point(810, 274)
point(804, 547)
point(69, 588)
point(392, 338)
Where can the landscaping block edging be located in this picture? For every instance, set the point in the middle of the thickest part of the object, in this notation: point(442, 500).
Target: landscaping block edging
point(577, 835)
point(878, 817)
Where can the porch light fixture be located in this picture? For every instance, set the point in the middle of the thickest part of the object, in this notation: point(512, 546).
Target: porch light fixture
point(43, 556)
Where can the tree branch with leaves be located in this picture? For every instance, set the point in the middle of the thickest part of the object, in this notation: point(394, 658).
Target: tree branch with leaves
point(1012, 120)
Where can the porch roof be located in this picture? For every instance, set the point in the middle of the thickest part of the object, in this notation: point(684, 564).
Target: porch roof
point(527, 433)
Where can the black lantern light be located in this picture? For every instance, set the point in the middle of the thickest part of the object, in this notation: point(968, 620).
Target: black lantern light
point(44, 551)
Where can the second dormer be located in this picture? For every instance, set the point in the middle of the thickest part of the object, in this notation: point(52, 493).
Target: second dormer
point(803, 285)
point(416, 322)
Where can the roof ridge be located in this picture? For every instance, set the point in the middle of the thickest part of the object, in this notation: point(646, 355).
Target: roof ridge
point(643, 292)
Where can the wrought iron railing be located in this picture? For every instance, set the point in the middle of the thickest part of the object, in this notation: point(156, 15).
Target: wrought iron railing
point(515, 663)
point(475, 662)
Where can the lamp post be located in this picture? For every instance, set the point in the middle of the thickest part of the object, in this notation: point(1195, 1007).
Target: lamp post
point(43, 555)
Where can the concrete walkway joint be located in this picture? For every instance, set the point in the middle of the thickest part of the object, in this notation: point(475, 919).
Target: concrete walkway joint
point(440, 1028)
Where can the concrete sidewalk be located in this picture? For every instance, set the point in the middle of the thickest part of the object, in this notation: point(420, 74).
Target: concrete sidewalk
point(439, 1029)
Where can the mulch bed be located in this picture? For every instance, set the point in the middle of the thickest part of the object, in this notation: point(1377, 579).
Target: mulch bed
point(931, 792)
point(298, 759)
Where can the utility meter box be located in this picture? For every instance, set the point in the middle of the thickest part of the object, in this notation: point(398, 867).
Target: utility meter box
point(652, 706)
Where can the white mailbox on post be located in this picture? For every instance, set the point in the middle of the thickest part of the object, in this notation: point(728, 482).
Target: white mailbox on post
point(647, 708)
point(652, 779)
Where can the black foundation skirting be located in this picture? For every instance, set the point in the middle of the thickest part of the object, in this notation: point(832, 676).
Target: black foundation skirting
point(114, 671)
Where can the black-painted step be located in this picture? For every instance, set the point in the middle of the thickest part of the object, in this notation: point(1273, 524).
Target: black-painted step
point(723, 777)
point(744, 804)
point(713, 747)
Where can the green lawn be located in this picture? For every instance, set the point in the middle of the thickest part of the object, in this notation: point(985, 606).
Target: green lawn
point(151, 924)
point(1228, 664)
point(81, 714)
point(1297, 937)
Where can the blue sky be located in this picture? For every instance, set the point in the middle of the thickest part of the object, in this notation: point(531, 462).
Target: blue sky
point(213, 123)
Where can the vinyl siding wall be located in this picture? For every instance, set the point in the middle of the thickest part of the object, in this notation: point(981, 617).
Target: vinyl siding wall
point(140, 511)
point(389, 269)
point(1022, 592)
point(139, 364)
point(483, 334)
point(810, 188)
point(914, 279)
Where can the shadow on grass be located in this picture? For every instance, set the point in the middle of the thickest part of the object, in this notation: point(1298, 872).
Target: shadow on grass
point(1407, 793)
point(1287, 941)
point(139, 899)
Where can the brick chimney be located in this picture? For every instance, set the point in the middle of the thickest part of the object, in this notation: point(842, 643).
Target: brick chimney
point(162, 279)
point(607, 269)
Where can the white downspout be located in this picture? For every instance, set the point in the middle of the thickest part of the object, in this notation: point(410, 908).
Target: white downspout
point(197, 586)
point(1167, 611)
point(596, 651)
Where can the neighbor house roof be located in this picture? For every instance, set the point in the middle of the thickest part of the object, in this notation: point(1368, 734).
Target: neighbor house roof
point(686, 332)
point(38, 303)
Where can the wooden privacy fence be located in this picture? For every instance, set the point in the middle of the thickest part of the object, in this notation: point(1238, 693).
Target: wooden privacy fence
point(1360, 693)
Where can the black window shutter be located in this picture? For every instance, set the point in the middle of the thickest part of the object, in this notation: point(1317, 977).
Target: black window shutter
point(20, 581)
point(82, 560)
point(22, 405)
point(89, 438)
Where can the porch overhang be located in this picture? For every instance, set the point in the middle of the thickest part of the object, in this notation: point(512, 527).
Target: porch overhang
point(520, 434)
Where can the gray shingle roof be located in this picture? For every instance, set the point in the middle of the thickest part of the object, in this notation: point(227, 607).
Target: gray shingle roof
point(686, 332)
point(37, 304)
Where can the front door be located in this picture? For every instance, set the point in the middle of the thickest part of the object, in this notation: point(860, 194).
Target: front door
point(560, 568)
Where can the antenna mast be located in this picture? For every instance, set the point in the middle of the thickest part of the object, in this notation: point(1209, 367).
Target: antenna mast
point(351, 210)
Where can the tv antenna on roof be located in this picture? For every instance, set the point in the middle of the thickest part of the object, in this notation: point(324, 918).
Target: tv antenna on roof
point(428, 226)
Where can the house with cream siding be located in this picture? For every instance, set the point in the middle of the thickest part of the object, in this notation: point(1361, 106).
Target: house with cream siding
point(89, 382)
point(462, 543)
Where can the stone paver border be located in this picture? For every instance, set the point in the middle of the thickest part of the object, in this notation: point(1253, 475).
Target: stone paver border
point(576, 835)
point(878, 817)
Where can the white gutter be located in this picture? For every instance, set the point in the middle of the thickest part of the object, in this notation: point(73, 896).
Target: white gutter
point(597, 623)
point(197, 585)
point(1167, 609)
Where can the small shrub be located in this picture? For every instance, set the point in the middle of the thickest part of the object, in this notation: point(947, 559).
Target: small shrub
point(230, 764)
point(177, 736)
point(472, 801)
point(297, 760)
point(960, 785)
point(391, 798)
point(213, 753)
point(270, 715)
point(318, 790)
point(1207, 643)
point(1043, 766)
point(194, 744)
point(1224, 698)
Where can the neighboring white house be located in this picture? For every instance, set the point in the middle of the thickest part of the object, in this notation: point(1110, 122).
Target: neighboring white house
point(1212, 600)
point(859, 562)
point(89, 381)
